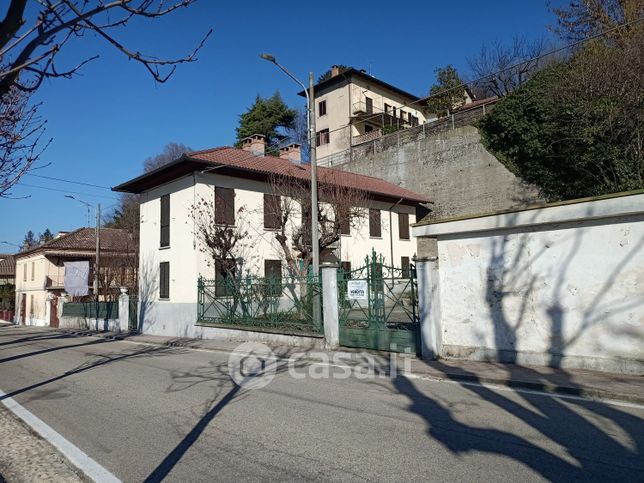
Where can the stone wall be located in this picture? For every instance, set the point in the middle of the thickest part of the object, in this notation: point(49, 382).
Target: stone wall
point(451, 166)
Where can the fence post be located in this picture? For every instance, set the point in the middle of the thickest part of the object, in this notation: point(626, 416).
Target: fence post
point(429, 308)
point(330, 305)
point(124, 310)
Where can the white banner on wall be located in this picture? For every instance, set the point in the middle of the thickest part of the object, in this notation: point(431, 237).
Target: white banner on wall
point(76, 277)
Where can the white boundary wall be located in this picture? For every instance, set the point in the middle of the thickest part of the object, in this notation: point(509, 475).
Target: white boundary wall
point(561, 285)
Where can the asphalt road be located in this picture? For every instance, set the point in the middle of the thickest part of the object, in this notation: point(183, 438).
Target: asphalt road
point(151, 413)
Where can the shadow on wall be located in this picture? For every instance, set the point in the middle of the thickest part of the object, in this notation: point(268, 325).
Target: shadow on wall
point(516, 291)
point(148, 292)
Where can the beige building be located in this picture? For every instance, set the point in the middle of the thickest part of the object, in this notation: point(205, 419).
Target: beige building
point(353, 107)
point(173, 256)
point(40, 271)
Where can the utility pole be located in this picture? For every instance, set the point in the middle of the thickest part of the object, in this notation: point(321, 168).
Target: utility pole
point(315, 237)
point(98, 248)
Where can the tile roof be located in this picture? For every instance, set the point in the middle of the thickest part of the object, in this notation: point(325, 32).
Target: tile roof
point(84, 240)
point(272, 165)
point(7, 265)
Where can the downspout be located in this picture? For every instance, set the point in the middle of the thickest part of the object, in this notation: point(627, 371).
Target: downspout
point(391, 237)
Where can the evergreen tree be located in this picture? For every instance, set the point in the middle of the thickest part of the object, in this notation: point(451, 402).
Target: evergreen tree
point(29, 241)
point(46, 236)
point(270, 117)
point(448, 92)
point(327, 74)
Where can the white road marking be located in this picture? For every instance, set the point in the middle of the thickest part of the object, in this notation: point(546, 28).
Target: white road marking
point(76, 456)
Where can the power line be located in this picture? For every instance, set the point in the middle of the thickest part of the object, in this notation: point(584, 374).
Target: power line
point(69, 181)
point(67, 191)
point(487, 76)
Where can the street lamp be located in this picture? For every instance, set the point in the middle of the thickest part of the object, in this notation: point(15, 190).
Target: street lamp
point(314, 173)
point(98, 237)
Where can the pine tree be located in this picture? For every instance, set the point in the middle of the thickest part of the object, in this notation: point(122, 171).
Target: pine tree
point(268, 116)
point(29, 241)
point(46, 236)
point(448, 92)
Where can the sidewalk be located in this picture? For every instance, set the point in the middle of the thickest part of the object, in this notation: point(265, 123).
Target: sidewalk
point(25, 457)
point(588, 384)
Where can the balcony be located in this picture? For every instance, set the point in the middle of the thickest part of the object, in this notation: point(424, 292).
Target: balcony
point(54, 282)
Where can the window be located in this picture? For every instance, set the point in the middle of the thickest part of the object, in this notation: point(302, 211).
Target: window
point(33, 271)
point(387, 108)
point(224, 277)
point(345, 222)
point(346, 267)
point(164, 280)
point(404, 265)
point(375, 229)
point(272, 211)
point(165, 221)
point(403, 226)
point(31, 305)
point(414, 121)
point(367, 128)
point(273, 277)
point(368, 104)
point(322, 137)
point(224, 206)
point(24, 272)
point(321, 108)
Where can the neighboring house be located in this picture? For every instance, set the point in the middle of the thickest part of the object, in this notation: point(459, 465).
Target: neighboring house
point(7, 281)
point(352, 107)
point(40, 271)
point(238, 181)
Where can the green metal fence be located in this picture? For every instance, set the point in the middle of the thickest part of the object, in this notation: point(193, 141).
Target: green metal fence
point(106, 310)
point(273, 304)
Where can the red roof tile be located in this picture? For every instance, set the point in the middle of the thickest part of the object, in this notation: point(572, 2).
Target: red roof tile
point(84, 240)
point(272, 165)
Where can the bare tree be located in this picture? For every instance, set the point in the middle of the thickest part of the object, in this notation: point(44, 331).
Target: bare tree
point(21, 131)
point(502, 69)
point(29, 50)
point(171, 152)
point(30, 43)
point(222, 244)
point(340, 208)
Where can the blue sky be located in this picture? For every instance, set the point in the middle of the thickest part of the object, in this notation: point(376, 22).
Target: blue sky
point(107, 120)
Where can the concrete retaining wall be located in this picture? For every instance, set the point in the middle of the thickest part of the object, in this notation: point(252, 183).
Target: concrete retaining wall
point(561, 286)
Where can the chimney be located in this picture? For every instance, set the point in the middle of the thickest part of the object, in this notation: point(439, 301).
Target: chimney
point(292, 152)
point(335, 70)
point(255, 144)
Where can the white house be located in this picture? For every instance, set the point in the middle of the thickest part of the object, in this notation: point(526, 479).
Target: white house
point(172, 254)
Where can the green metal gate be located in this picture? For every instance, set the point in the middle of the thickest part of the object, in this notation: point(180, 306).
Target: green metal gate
point(133, 321)
point(378, 307)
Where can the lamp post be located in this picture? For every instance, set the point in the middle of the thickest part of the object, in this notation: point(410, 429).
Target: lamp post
point(315, 244)
point(98, 238)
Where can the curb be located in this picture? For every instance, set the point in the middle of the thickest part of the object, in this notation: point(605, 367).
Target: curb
point(565, 390)
point(578, 391)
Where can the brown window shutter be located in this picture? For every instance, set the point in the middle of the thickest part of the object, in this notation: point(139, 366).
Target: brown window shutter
point(165, 221)
point(224, 206)
point(403, 226)
point(345, 222)
point(374, 223)
point(164, 280)
point(272, 211)
point(404, 265)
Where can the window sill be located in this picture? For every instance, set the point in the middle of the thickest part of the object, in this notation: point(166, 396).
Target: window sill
point(164, 299)
point(375, 237)
point(272, 229)
point(165, 248)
